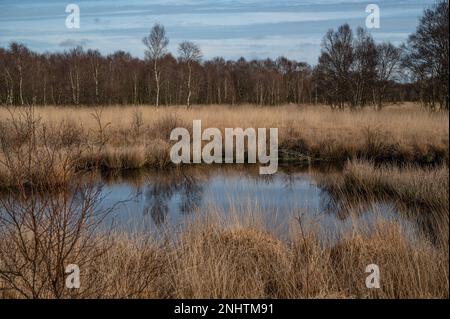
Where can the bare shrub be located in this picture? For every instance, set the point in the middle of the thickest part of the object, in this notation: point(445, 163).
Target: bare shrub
point(137, 123)
point(67, 134)
point(163, 126)
point(101, 132)
point(48, 216)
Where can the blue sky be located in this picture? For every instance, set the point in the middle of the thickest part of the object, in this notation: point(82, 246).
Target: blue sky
point(228, 28)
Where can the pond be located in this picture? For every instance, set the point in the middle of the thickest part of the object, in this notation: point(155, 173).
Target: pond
point(157, 200)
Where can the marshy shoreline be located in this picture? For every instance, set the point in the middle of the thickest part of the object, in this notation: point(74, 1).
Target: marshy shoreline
point(399, 153)
point(112, 138)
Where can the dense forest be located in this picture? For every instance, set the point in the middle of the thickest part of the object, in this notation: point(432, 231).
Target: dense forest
point(352, 71)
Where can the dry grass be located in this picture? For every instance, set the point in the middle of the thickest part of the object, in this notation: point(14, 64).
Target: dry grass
point(218, 258)
point(133, 137)
point(415, 186)
point(421, 194)
point(213, 256)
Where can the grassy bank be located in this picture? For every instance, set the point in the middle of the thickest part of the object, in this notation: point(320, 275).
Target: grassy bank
point(214, 258)
point(129, 137)
point(425, 187)
point(420, 194)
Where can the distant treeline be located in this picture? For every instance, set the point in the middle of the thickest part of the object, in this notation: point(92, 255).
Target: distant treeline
point(352, 71)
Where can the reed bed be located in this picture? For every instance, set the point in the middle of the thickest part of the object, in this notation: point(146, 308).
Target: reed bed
point(135, 137)
point(425, 187)
point(215, 257)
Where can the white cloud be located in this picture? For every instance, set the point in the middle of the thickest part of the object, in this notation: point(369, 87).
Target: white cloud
point(229, 28)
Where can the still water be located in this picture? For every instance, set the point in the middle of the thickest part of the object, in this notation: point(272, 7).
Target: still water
point(155, 200)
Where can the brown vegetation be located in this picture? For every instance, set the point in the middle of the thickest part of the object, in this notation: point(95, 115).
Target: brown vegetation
point(42, 231)
point(49, 203)
point(216, 258)
point(414, 186)
point(420, 193)
point(129, 137)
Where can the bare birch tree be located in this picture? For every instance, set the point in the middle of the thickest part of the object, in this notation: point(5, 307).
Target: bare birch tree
point(156, 43)
point(189, 53)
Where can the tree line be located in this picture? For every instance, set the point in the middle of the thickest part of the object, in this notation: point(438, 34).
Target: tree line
point(352, 71)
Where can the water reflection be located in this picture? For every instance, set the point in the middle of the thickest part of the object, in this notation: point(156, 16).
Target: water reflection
point(150, 200)
point(425, 221)
point(160, 191)
point(167, 197)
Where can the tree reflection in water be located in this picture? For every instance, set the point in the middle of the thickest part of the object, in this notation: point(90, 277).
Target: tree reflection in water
point(161, 190)
point(165, 197)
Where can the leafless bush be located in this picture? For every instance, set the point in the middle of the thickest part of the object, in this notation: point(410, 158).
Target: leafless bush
point(49, 217)
point(27, 157)
point(67, 134)
point(19, 128)
point(102, 136)
point(164, 126)
point(42, 234)
point(137, 123)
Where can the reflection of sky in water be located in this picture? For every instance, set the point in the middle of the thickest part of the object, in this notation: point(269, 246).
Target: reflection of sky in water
point(164, 202)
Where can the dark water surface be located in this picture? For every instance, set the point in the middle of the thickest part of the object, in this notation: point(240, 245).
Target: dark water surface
point(154, 200)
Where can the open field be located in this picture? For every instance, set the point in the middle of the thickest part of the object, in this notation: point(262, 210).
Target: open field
point(129, 137)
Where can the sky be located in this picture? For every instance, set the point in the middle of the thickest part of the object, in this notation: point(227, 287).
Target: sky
point(254, 29)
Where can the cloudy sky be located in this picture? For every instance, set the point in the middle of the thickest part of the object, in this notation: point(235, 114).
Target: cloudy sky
point(229, 28)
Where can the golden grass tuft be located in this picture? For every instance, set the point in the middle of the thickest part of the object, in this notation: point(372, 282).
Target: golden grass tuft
point(425, 187)
point(223, 259)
